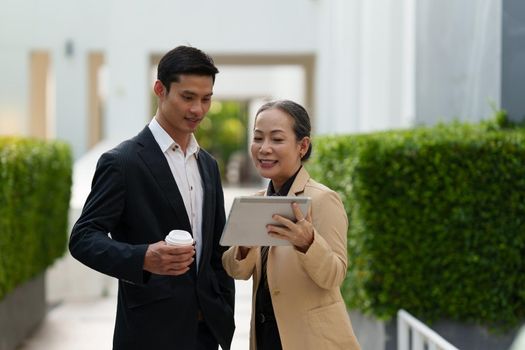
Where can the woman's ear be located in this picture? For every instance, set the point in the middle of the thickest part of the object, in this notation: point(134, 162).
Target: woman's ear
point(305, 143)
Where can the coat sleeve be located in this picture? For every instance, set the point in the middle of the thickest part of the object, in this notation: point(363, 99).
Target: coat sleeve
point(241, 269)
point(89, 241)
point(326, 259)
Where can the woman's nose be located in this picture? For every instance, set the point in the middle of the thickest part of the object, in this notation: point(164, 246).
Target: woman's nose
point(265, 147)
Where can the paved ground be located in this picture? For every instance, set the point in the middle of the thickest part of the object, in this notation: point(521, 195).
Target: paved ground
point(87, 323)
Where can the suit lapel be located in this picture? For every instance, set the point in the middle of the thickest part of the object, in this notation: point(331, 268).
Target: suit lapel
point(157, 164)
point(299, 183)
point(207, 201)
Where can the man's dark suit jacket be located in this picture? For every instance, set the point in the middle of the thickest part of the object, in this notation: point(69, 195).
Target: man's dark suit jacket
point(135, 198)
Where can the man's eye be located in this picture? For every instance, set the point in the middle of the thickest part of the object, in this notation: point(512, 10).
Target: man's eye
point(257, 139)
point(186, 98)
point(278, 140)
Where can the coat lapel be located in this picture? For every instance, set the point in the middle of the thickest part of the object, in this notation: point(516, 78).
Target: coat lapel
point(157, 164)
point(299, 183)
point(207, 200)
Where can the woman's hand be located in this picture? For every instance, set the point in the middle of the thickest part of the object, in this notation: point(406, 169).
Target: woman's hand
point(243, 251)
point(300, 233)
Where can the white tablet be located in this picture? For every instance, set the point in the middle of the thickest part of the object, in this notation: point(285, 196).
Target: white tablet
point(249, 215)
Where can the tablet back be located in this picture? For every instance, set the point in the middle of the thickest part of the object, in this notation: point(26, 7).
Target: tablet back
point(249, 215)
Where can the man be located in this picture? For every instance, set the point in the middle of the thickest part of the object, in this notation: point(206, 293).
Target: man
point(169, 297)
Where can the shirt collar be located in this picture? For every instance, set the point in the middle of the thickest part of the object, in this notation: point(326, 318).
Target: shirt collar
point(285, 188)
point(166, 142)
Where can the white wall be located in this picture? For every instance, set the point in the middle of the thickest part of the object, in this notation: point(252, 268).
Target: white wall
point(364, 82)
point(253, 82)
point(46, 25)
point(379, 64)
point(232, 27)
point(458, 59)
point(395, 64)
point(128, 32)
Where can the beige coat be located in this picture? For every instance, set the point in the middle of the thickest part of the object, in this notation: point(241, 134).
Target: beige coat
point(308, 305)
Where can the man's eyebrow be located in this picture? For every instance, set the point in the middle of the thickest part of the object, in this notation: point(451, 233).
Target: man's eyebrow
point(189, 92)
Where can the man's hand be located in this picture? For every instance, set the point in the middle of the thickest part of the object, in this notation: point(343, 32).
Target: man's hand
point(163, 259)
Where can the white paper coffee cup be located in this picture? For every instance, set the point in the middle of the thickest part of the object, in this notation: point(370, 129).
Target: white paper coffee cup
point(179, 237)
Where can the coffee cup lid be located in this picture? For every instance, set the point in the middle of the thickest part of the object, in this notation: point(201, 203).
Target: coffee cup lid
point(179, 237)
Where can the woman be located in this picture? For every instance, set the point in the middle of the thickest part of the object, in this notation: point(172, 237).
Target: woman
point(296, 299)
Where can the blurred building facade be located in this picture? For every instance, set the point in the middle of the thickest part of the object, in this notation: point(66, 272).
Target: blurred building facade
point(81, 70)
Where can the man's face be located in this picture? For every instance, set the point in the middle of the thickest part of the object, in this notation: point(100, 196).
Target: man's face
point(182, 108)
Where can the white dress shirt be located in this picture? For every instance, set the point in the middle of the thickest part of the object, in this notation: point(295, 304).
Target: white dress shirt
point(185, 171)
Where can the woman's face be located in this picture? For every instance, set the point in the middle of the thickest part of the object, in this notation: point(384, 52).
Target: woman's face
point(276, 153)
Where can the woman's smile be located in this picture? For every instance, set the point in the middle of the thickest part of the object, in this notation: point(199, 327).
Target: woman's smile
point(267, 163)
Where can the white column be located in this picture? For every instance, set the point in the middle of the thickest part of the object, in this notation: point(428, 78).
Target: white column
point(15, 32)
point(70, 105)
point(129, 89)
point(338, 76)
point(513, 59)
point(407, 116)
point(14, 89)
point(129, 84)
point(385, 70)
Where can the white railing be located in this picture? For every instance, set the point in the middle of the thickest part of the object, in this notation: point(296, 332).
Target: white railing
point(413, 334)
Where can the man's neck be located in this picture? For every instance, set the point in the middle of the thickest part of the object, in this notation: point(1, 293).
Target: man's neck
point(182, 140)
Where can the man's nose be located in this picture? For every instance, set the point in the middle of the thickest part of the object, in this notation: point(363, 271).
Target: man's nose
point(197, 108)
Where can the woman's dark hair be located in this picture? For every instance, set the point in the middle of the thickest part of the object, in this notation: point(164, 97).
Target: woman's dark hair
point(184, 60)
point(301, 120)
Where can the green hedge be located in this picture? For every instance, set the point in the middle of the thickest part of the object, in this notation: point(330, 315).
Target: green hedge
point(35, 185)
point(437, 221)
